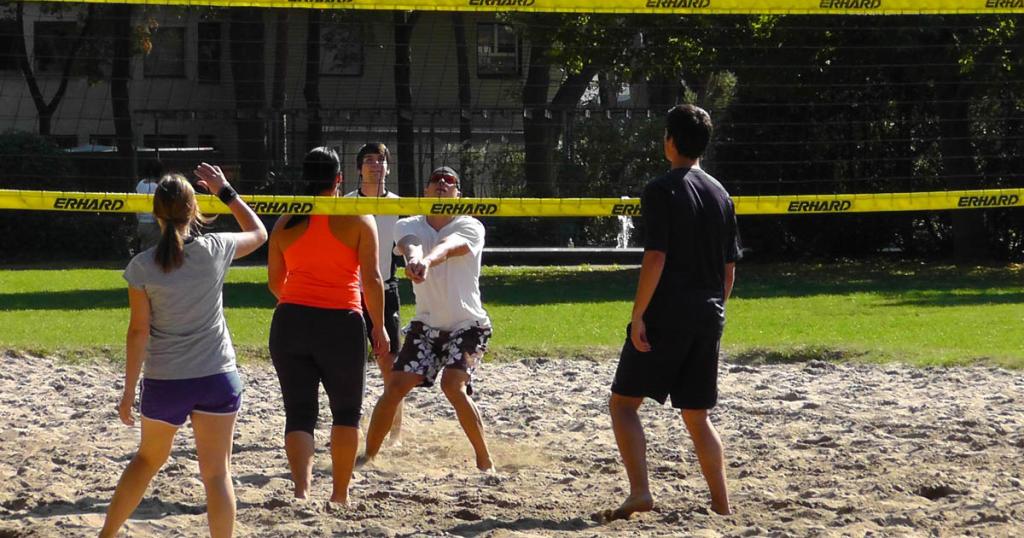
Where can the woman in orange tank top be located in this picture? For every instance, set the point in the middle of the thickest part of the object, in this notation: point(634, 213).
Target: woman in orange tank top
point(317, 334)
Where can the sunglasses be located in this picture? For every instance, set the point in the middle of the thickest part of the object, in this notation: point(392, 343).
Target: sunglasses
point(448, 179)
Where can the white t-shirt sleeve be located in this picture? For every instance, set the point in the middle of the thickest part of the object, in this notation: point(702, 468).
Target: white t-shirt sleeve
point(403, 228)
point(472, 231)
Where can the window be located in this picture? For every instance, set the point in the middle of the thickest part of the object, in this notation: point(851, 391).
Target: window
point(208, 141)
point(9, 45)
point(341, 50)
point(165, 141)
point(167, 59)
point(209, 52)
point(497, 50)
point(52, 44)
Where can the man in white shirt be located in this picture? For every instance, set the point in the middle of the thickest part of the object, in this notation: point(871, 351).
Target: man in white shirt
point(372, 161)
point(450, 330)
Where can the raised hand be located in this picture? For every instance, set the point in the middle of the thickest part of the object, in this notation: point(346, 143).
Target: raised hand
point(211, 177)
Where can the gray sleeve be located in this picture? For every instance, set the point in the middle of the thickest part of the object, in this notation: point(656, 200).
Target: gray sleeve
point(134, 274)
point(222, 249)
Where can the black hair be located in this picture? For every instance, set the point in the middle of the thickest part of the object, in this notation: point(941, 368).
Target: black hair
point(690, 128)
point(372, 148)
point(320, 169)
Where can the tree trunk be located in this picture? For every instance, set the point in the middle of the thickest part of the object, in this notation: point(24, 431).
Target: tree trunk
point(606, 95)
point(465, 104)
point(311, 91)
point(969, 237)
point(45, 122)
point(543, 121)
point(278, 92)
point(538, 137)
point(120, 98)
point(247, 67)
point(403, 23)
point(47, 109)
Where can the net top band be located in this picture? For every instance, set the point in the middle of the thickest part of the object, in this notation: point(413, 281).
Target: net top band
point(706, 7)
point(521, 207)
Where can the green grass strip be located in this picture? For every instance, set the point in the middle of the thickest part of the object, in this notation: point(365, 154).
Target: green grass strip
point(922, 314)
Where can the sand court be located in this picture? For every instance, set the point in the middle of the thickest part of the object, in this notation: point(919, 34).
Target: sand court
point(813, 448)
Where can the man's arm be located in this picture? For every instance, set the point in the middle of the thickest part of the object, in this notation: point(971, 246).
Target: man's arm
point(656, 242)
point(451, 246)
point(650, 274)
point(411, 248)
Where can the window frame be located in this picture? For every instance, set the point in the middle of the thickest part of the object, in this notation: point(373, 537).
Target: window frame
point(65, 40)
point(9, 59)
point(517, 55)
point(216, 63)
point(358, 42)
point(147, 63)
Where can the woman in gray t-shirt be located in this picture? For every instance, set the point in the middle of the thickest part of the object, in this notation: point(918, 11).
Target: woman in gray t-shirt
point(178, 336)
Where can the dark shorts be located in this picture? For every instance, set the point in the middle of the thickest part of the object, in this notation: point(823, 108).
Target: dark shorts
point(173, 400)
point(312, 346)
point(682, 363)
point(392, 318)
point(427, 351)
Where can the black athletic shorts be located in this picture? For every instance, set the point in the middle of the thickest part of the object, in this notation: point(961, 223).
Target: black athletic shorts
point(313, 346)
point(683, 363)
point(392, 318)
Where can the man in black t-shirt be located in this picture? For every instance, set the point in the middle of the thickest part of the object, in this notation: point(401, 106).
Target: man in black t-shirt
point(690, 253)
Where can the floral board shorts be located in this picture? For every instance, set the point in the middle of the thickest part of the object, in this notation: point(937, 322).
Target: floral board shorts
point(426, 351)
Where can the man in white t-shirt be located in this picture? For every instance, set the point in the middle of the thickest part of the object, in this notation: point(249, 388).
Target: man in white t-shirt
point(373, 162)
point(450, 331)
point(147, 232)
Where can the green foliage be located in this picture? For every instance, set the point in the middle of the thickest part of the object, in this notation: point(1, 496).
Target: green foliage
point(31, 162)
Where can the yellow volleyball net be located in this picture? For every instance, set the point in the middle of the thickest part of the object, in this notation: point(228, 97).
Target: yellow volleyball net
point(547, 108)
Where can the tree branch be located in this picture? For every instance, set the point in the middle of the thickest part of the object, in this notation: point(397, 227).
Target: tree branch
point(69, 61)
point(26, 66)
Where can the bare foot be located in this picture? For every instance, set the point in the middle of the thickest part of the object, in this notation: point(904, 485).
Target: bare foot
point(301, 493)
point(485, 465)
point(632, 505)
point(721, 510)
point(363, 461)
point(340, 499)
point(394, 440)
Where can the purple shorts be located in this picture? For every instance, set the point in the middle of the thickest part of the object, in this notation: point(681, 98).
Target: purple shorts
point(173, 400)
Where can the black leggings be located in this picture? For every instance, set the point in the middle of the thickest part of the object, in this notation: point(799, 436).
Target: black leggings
point(313, 345)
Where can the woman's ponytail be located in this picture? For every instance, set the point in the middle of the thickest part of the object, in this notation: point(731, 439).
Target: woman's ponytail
point(174, 205)
point(170, 251)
